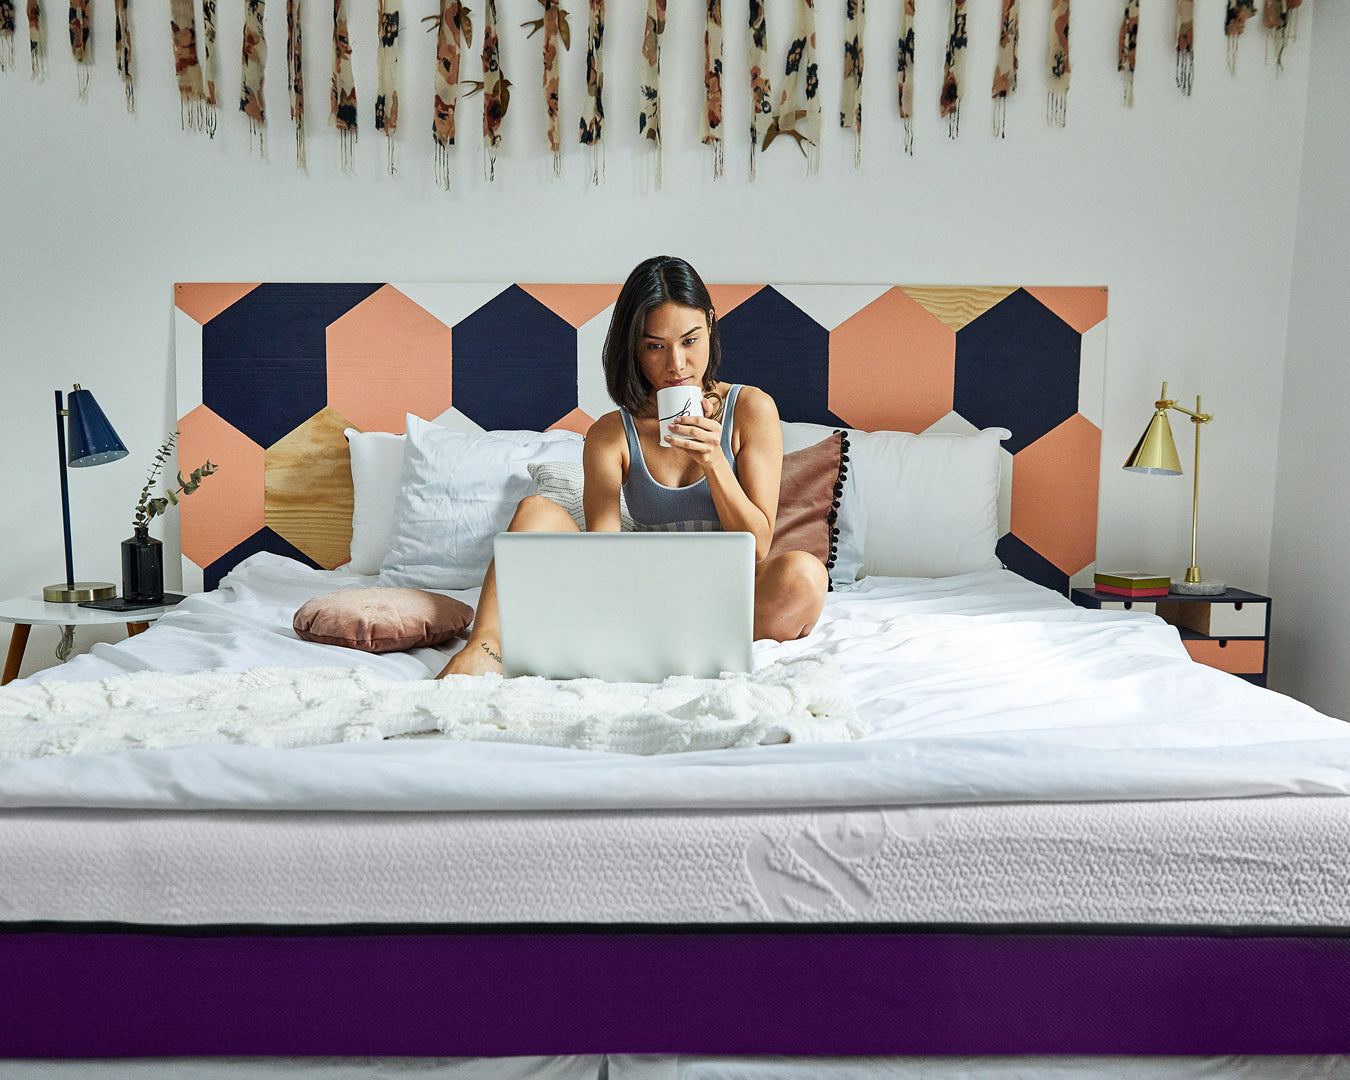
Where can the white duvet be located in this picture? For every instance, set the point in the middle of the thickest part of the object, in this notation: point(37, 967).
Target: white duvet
point(976, 688)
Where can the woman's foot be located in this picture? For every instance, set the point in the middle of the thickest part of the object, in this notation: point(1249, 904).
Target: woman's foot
point(479, 657)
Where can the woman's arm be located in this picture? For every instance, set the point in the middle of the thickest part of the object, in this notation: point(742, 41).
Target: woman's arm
point(603, 461)
point(750, 504)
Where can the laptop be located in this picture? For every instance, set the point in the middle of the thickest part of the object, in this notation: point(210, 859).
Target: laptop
point(599, 605)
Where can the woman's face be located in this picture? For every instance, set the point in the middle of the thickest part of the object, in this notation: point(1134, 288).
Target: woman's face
point(674, 346)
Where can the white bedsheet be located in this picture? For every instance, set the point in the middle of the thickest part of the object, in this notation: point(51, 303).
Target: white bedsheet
point(979, 688)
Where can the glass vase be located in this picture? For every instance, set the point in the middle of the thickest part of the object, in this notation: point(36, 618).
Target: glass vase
point(142, 567)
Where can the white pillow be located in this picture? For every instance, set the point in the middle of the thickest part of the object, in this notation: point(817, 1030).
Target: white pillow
point(852, 520)
point(456, 492)
point(564, 483)
point(931, 501)
point(377, 461)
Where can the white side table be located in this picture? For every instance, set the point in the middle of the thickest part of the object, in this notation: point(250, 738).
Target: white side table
point(30, 611)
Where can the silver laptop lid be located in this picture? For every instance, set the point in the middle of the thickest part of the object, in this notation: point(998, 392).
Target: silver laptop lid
point(626, 607)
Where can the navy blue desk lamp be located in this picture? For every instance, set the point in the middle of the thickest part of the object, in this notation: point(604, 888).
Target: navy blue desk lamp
point(92, 442)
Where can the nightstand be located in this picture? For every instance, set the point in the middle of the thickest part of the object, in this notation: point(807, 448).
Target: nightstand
point(1229, 631)
point(33, 611)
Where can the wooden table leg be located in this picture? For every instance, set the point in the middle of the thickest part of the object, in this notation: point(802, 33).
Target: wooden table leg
point(18, 641)
point(134, 628)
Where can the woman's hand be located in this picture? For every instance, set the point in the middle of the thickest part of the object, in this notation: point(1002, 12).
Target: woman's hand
point(700, 436)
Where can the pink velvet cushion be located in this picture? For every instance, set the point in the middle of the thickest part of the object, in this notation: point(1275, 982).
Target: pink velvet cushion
point(808, 499)
point(381, 619)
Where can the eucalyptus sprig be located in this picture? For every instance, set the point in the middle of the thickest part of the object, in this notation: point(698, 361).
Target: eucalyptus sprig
point(148, 507)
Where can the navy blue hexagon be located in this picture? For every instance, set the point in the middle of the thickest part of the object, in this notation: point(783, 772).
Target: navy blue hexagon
point(515, 363)
point(263, 366)
point(1031, 564)
point(1017, 367)
point(769, 342)
point(262, 540)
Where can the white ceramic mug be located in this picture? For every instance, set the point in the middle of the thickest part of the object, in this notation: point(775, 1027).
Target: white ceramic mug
point(673, 402)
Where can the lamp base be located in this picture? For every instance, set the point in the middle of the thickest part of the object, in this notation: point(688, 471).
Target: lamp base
point(83, 590)
point(1199, 588)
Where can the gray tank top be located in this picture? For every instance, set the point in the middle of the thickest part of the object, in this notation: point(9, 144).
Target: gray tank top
point(655, 507)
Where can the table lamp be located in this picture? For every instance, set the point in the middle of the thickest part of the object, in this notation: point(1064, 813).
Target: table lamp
point(1156, 453)
point(92, 442)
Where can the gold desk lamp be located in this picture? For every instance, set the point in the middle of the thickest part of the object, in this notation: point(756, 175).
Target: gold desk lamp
point(1156, 453)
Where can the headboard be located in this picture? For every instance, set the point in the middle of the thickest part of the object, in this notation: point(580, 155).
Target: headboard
point(270, 374)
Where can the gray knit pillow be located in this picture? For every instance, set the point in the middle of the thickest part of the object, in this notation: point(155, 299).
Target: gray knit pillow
point(562, 482)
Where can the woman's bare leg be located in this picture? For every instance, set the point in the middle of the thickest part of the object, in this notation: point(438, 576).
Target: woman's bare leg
point(789, 594)
point(483, 654)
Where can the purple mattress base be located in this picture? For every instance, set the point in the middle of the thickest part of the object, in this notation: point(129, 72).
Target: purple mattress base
point(142, 992)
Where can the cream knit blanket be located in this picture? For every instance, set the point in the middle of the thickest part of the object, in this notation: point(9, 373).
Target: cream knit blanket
point(801, 700)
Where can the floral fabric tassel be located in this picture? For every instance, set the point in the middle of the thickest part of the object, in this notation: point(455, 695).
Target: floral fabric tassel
point(342, 99)
point(555, 27)
point(798, 115)
point(496, 90)
point(1057, 62)
point(453, 31)
point(850, 101)
point(1005, 70)
point(6, 34)
point(761, 92)
point(295, 78)
point(905, 68)
point(1280, 18)
point(954, 71)
point(37, 39)
point(1234, 22)
point(81, 43)
point(712, 84)
point(1129, 42)
point(191, 92)
point(386, 71)
point(649, 118)
point(592, 130)
point(1185, 45)
point(209, 62)
point(253, 66)
point(123, 42)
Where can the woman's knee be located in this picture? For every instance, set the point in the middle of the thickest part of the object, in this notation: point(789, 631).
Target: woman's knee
point(803, 577)
point(538, 513)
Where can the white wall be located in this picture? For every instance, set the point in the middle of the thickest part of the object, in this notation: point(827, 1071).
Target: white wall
point(1183, 207)
point(1309, 571)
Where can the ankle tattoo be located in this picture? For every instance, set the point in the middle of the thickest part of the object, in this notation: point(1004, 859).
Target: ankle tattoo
point(489, 651)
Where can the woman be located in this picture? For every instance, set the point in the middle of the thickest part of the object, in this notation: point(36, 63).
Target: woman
point(721, 470)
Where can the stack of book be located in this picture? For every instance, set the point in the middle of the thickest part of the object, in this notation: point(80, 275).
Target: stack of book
point(1132, 583)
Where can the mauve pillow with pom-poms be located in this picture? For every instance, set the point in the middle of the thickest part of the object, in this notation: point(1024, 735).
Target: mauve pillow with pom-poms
point(381, 619)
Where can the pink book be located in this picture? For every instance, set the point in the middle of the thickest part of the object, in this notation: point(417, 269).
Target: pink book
point(1133, 594)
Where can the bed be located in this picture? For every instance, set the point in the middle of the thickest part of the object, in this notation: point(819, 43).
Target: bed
point(1056, 838)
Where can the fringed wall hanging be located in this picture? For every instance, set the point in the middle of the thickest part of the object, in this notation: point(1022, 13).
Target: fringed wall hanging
point(122, 40)
point(592, 130)
point(1281, 19)
point(252, 69)
point(850, 100)
point(6, 34)
point(295, 80)
point(554, 24)
point(761, 92)
point(1005, 70)
point(454, 29)
point(1234, 23)
point(1185, 45)
point(209, 62)
point(1129, 42)
point(386, 74)
point(905, 67)
point(954, 69)
point(711, 131)
point(798, 115)
point(342, 98)
point(192, 107)
point(37, 39)
point(496, 91)
point(1057, 63)
point(81, 43)
point(649, 118)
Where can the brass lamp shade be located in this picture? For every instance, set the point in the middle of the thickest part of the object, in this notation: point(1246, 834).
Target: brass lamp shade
point(1156, 451)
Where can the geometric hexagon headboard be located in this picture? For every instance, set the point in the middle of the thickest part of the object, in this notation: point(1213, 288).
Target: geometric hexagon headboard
point(270, 374)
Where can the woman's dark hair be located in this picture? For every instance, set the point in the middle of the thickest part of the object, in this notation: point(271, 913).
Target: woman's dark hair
point(663, 279)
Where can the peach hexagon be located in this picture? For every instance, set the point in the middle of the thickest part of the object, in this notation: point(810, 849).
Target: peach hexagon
point(308, 484)
point(388, 357)
point(228, 508)
point(892, 365)
point(1054, 494)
